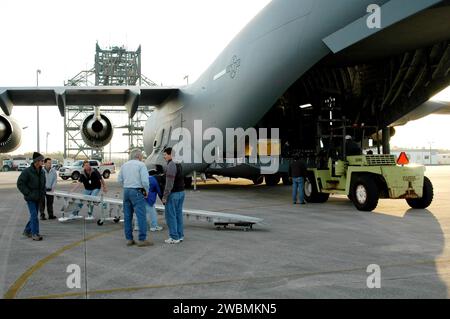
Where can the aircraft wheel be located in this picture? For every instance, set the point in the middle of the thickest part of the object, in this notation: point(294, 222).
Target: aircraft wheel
point(116, 220)
point(188, 182)
point(272, 180)
point(426, 199)
point(258, 180)
point(100, 222)
point(365, 193)
point(287, 180)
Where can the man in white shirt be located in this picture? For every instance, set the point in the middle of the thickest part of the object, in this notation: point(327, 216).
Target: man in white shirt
point(51, 178)
point(133, 177)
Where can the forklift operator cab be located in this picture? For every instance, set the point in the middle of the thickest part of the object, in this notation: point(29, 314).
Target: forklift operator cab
point(352, 148)
point(337, 163)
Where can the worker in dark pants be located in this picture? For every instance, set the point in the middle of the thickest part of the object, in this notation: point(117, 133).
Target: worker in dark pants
point(50, 184)
point(31, 183)
point(298, 172)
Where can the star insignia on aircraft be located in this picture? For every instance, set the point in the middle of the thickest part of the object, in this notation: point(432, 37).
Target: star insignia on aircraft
point(232, 69)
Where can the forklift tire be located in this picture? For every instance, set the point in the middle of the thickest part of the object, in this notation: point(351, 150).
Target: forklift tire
point(287, 180)
point(272, 180)
point(365, 193)
point(426, 199)
point(311, 193)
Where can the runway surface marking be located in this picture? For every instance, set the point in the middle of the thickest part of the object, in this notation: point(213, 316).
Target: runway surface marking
point(233, 280)
point(22, 280)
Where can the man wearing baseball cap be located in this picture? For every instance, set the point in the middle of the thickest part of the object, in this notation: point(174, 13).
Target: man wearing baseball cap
point(31, 184)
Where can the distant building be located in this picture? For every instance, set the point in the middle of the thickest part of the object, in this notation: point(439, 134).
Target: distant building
point(421, 156)
point(443, 159)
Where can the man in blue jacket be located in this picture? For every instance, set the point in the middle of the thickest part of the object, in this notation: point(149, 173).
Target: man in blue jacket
point(154, 191)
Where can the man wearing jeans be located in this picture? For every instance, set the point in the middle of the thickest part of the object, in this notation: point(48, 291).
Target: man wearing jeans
point(173, 198)
point(92, 182)
point(133, 177)
point(51, 178)
point(31, 183)
point(298, 172)
point(153, 193)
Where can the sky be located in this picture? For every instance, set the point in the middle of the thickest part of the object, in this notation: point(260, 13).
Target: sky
point(178, 38)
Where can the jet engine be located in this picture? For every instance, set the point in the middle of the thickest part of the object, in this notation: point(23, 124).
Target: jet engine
point(379, 137)
point(96, 130)
point(10, 134)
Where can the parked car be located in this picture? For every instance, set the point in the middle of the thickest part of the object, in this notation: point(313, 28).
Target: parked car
point(73, 171)
point(22, 166)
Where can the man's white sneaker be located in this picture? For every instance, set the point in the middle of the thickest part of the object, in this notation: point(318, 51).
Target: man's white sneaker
point(181, 239)
point(157, 228)
point(172, 241)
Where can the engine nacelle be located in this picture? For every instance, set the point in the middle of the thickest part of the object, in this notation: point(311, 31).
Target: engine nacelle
point(96, 130)
point(379, 137)
point(10, 134)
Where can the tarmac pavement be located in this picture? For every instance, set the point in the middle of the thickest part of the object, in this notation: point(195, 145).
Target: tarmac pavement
point(304, 251)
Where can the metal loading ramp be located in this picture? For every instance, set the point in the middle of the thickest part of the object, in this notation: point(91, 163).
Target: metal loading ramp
point(112, 210)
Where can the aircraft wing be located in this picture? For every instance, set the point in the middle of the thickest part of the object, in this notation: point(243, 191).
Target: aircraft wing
point(129, 96)
point(392, 13)
point(427, 108)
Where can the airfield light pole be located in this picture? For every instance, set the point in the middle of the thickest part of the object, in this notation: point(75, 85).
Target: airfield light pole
point(46, 142)
point(430, 151)
point(37, 84)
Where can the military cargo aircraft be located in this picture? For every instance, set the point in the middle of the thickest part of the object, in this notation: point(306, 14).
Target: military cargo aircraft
point(375, 63)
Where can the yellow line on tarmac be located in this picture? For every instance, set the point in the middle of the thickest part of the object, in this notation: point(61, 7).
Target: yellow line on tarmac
point(233, 280)
point(21, 281)
point(134, 289)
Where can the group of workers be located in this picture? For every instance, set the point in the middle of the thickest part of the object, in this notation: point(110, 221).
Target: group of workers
point(139, 197)
point(140, 191)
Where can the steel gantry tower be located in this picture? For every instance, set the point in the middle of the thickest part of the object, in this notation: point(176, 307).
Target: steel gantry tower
point(115, 66)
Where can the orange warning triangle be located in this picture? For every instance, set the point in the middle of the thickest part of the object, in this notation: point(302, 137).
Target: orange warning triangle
point(403, 159)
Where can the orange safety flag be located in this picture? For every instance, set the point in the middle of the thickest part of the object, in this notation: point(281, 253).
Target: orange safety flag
point(403, 159)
